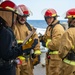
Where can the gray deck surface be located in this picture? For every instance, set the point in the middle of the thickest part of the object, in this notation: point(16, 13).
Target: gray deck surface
point(39, 70)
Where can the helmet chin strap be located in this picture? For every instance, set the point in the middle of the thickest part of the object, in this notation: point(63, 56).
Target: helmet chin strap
point(52, 21)
point(69, 24)
point(12, 19)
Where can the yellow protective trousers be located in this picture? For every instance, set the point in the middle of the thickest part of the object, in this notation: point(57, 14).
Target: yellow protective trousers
point(53, 65)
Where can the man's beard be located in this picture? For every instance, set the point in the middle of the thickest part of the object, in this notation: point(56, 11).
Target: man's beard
point(21, 22)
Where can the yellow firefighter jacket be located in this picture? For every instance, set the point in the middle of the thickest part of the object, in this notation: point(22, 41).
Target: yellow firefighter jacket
point(54, 34)
point(67, 42)
point(22, 31)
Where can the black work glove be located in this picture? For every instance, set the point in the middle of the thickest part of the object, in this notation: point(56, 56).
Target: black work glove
point(71, 55)
point(33, 55)
point(19, 44)
point(43, 43)
point(34, 43)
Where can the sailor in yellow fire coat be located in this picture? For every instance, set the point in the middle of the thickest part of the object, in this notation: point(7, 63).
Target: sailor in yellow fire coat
point(67, 46)
point(21, 30)
point(51, 39)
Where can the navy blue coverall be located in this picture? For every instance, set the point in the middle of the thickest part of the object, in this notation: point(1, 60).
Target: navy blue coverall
point(8, 51)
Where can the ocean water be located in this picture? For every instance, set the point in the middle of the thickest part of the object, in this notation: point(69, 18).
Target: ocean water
point(40, 25)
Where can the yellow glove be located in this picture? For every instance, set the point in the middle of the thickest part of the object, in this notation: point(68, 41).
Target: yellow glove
point(37, 52)
point(48, 40)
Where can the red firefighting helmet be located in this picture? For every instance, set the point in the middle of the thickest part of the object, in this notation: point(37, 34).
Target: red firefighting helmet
point(24, 9)
point(9, 11)
point(50, 13)
point(70, 13)
point(10, 6)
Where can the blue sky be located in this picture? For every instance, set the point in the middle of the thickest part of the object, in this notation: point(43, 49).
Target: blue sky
point(36, 6)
